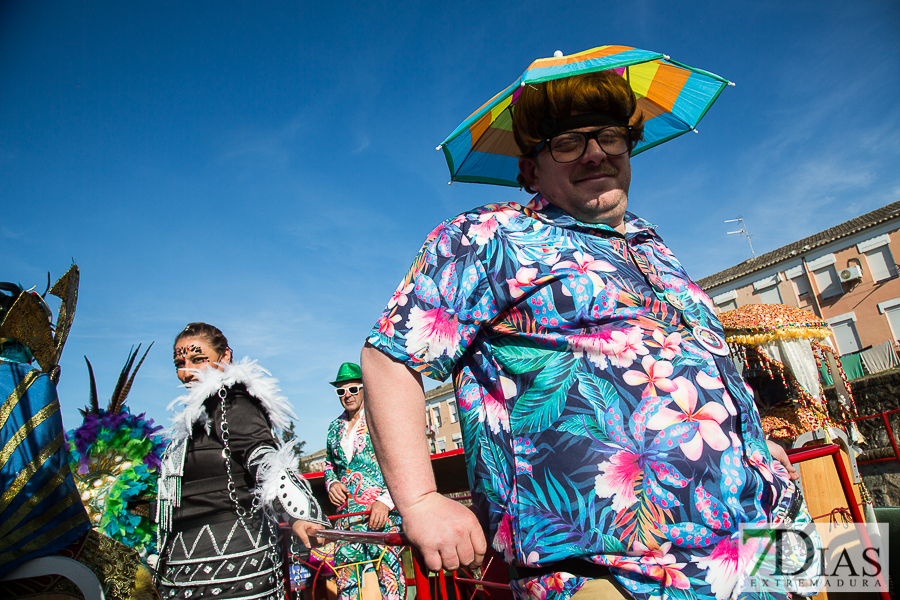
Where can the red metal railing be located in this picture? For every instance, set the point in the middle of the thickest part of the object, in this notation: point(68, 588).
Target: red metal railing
point(798, 455)
point(890, 434)
point(427, 586)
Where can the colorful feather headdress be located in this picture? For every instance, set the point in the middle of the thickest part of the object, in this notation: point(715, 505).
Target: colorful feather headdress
point(115, 458)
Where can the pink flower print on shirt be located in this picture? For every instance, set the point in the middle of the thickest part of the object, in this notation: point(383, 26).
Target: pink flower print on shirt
point(493, 410)
point(768, 469)
point(535, 589)
point(624, 346)
point(401, 296)
point(661, 565)
point(618, 478)
point(556, 581)
point(708, 419)
point(655, 376)
point(522, 447)
point(727, 561)
point(715, 383)
point(432, 333)
point(524, 279)
point(593, 346)
point(483, 231)
point(503, 540)
point(386, 324)
point(669, 346)
point(586, 265)
point(698, 295)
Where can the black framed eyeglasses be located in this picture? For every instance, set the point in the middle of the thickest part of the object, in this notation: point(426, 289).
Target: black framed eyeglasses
point(350, 389)
point(570, 146)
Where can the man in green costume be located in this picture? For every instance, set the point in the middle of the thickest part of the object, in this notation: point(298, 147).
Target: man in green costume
point(355, 484)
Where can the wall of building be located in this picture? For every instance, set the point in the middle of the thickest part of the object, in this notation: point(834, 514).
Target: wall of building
point(442, 419)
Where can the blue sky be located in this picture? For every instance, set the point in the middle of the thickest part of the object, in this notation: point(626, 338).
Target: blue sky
point(270, 167)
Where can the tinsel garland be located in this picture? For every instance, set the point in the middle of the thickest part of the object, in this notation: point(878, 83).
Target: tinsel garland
point(780, 332)
point(847, 413)
point(755, 324)
point(837, 359)
point(130, 445)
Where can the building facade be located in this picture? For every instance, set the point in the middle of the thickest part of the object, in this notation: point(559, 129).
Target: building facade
point(846, 274)
point(442, 420)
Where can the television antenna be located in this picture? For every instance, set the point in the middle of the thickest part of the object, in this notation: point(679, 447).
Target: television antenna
point(743, 231)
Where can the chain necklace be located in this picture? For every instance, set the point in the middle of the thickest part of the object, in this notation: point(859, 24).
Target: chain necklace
point(255, 507)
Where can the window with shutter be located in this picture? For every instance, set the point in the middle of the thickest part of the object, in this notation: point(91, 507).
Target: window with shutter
point(827, 281)
point(881, 263)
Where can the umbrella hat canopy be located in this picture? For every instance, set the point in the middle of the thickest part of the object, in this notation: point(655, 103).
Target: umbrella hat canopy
point(756, 324)
point(671, 96)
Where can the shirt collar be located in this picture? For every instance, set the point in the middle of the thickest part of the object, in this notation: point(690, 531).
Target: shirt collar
point(551, 214)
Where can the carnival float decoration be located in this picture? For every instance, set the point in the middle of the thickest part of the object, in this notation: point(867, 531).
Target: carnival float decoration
point(115, 457)
point(783, 349)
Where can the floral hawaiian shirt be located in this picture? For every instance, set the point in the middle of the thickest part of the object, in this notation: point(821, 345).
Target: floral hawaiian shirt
point(602, 417)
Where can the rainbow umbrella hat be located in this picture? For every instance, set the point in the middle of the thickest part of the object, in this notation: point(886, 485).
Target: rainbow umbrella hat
point(672, 97)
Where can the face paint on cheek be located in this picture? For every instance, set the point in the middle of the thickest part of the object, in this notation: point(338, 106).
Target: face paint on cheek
point(185, 350)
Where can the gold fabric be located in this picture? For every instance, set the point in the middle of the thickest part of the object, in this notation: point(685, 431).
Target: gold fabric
point(29, 470)
point(46, 538)
point(99, 480)
point(37, 523)
point(48, 488)
point(25, 430)
point(27, 322)
point(65, 288)
point(17, 394)
point(117, 566)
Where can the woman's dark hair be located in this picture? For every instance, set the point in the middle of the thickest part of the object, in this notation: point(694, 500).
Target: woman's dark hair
point(213, 336)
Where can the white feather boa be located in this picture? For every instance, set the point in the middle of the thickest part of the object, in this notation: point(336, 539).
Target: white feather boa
point(259, 382)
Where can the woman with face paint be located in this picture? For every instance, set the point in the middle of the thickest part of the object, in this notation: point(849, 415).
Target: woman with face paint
point(226, 481)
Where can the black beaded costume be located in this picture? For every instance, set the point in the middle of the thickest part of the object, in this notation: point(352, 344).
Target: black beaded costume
point(223, 488)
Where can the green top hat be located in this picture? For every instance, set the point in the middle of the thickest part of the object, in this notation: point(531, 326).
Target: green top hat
point(348, 372)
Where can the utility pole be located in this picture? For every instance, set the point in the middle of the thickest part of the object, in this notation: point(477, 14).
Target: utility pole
point(742, 230)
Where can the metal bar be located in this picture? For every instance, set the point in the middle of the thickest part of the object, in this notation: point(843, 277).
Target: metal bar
point(890, 433)
point(422, 590)
point(342, 516)
point(817, 452)
point(873, 460)
point(482, 583)
point(441, 580)
point(854, 510)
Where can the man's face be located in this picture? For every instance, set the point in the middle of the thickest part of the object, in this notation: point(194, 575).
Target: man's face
point(593, 189)
point(351, 402)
